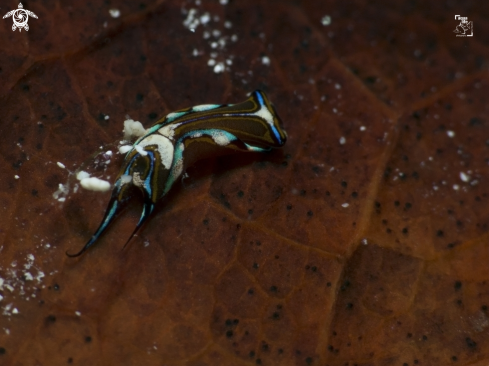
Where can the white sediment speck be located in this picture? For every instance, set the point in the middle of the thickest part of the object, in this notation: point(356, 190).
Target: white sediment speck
point(205, 18)
point(363, 128)
point(77, 313)
point(115, 13)
point(342, 140)
point(16, 176)
point(219, 68)
point(326, 20)
point(191, 21)
point(450, 134)
point(61, 165)
point(345, 205)
point(464, 177)
point(106, 117)
point(364, 241)
point(223, 2)
point(265, 60)
point(456, 187)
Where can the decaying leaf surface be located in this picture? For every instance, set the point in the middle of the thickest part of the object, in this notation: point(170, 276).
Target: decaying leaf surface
point(364, 241)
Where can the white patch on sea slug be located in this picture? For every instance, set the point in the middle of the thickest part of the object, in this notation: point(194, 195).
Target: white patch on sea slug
point(136, 179)
point(220, 138)
point(168, 131)
point(164, 146)
point(265, 114)
point(126, 179)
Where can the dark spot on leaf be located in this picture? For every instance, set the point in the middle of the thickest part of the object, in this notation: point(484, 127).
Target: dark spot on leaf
point(50, 318)
point(370, 79)
point(470, 343)
point(474, 121)
point(345, 285)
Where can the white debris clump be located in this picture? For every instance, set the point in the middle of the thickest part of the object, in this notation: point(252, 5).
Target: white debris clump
point(92, 183)
point(124, 149)
point(133, 129)
point(22, 279)
point(214, 31)
point(62, 192)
